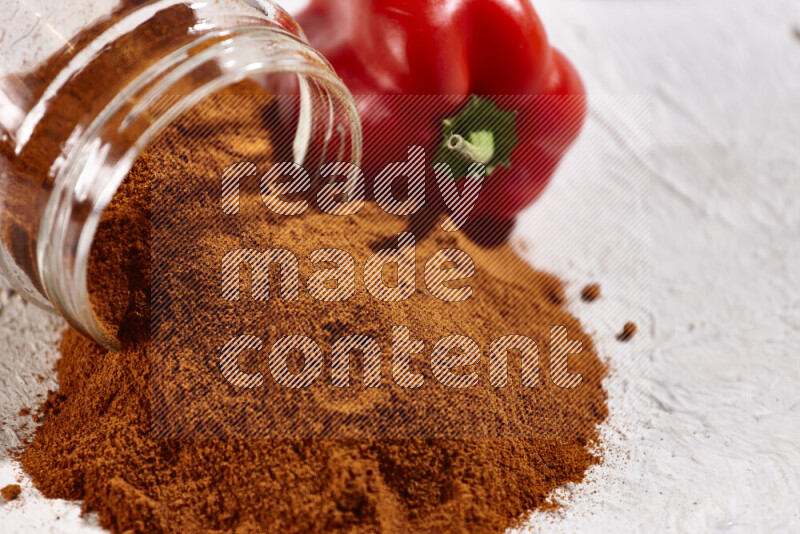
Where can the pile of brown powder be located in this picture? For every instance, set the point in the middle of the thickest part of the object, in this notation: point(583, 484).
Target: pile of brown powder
point(95, 442)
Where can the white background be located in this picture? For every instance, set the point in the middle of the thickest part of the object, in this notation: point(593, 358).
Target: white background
point(704, 433)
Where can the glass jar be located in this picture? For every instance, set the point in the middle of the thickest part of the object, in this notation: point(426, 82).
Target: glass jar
point(78, 86)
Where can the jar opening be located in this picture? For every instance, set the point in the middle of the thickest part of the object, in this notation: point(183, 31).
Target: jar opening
point(315, 113)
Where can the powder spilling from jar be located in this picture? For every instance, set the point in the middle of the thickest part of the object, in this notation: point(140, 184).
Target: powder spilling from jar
point(95, 442)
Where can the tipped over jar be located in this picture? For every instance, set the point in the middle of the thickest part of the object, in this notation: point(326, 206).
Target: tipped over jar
point(83, 92)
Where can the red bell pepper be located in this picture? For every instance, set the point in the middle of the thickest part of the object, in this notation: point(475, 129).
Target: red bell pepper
point(493, 49)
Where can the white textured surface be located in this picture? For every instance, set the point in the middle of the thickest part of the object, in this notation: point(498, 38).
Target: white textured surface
point(716, 445)
point(705, 430)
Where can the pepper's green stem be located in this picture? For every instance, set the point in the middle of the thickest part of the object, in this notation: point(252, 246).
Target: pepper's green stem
point(480, 147)
point(480, 133)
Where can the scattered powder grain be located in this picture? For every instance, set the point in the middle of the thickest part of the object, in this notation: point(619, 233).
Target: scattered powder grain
point(628, 331)
point(591, 293)
point(10, 492)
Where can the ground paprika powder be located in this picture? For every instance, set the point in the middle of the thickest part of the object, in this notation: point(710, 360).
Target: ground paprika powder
point(95, 440)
